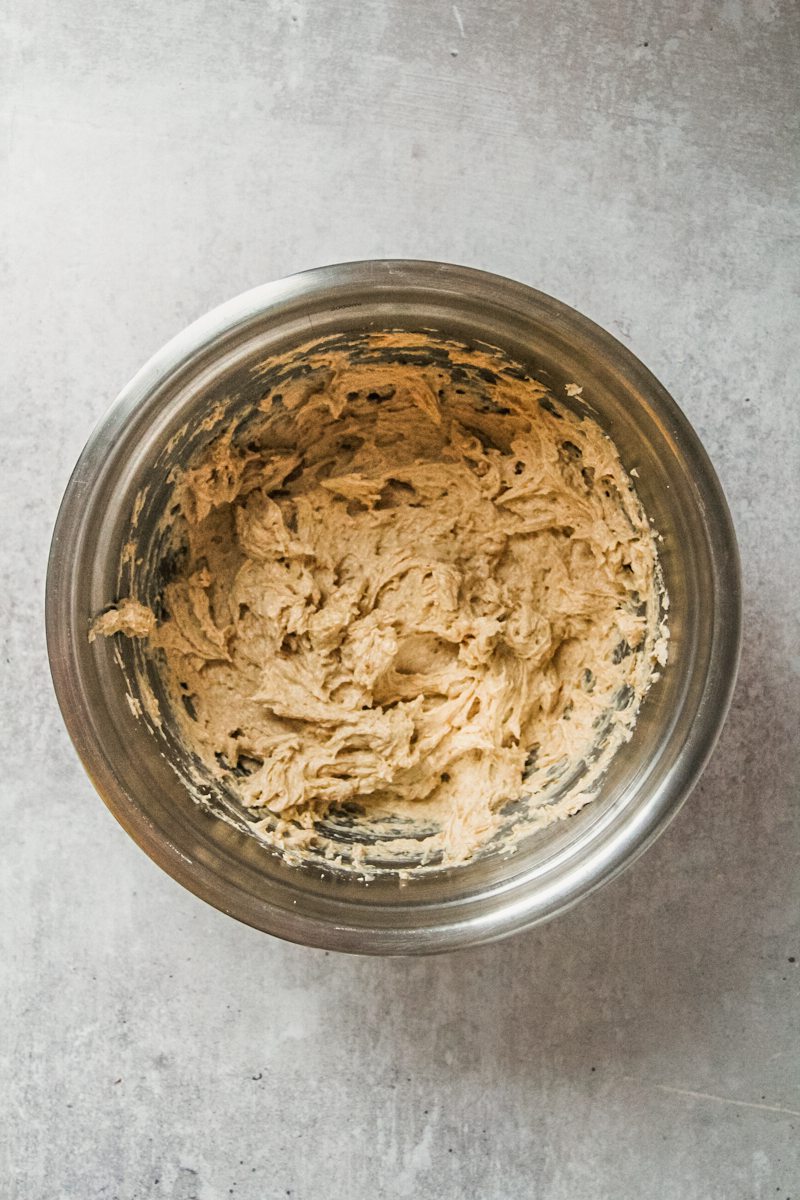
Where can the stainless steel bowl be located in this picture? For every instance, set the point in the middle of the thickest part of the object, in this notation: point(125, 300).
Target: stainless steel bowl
point(649, 777)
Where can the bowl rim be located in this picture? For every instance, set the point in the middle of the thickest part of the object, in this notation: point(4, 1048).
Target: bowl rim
point(602, 862)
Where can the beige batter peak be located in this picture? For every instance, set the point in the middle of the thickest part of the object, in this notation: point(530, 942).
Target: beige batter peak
point(413, 590)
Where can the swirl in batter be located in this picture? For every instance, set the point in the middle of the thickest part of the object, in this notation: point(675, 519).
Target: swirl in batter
point(413, 589)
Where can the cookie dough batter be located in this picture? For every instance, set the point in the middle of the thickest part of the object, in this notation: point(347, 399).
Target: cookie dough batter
point(404, 589)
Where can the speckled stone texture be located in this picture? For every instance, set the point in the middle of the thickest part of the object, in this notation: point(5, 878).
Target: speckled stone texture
point(639, 161)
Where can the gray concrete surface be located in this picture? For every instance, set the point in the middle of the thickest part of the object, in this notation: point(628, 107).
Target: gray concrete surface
point(640, 161)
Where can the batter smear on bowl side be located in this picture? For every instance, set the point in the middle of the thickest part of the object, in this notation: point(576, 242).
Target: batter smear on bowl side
point(414, 588)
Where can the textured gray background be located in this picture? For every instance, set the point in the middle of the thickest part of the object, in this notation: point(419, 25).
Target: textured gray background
point(638, 161)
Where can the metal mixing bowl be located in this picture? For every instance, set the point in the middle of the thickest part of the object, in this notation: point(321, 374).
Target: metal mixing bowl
point(648, 778)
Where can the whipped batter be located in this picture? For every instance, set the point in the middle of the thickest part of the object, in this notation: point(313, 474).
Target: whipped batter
point(412, 591)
